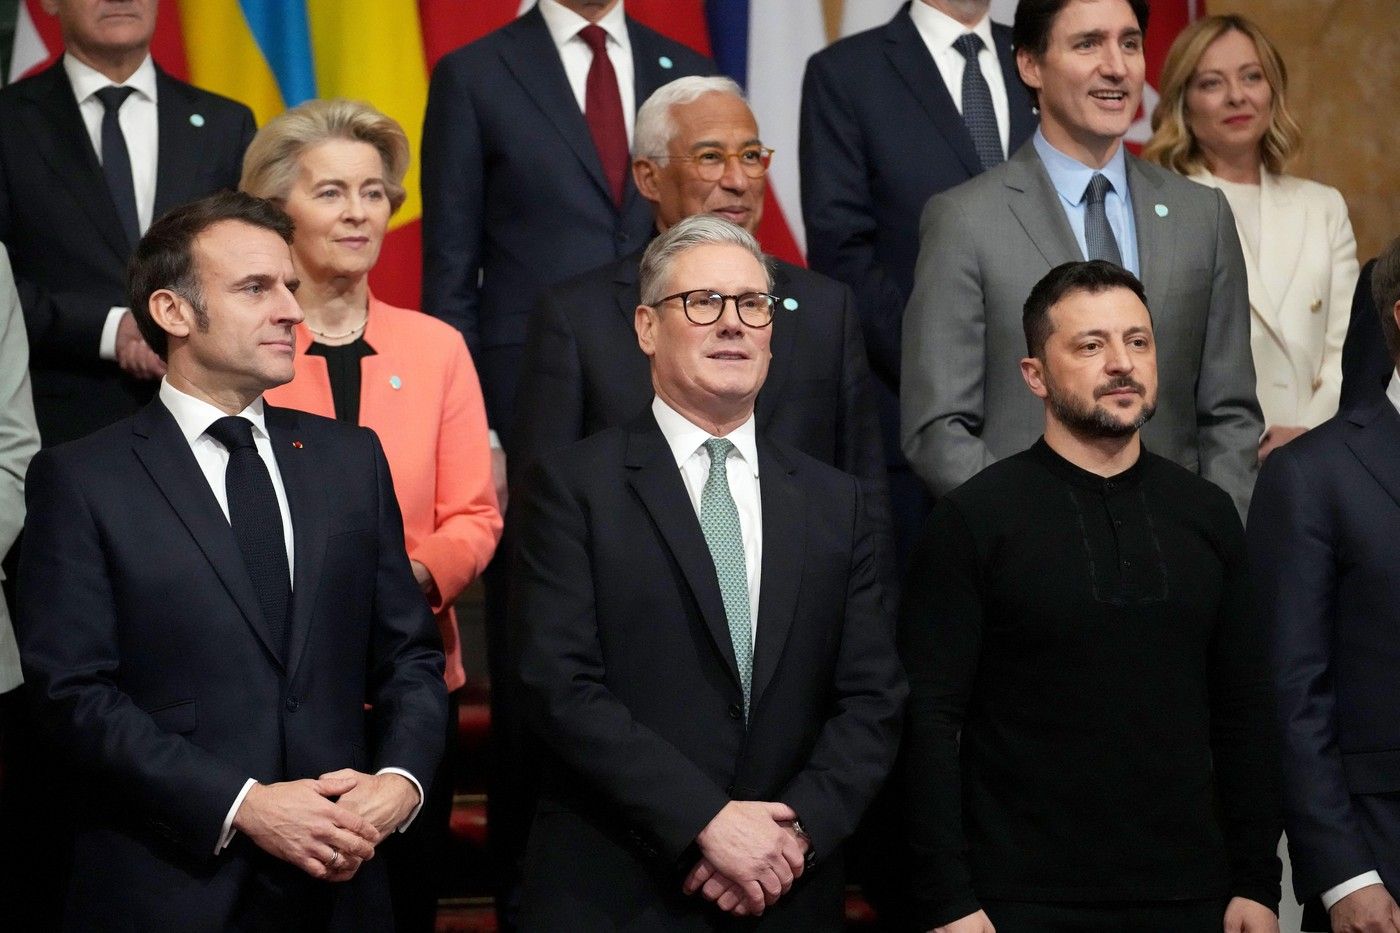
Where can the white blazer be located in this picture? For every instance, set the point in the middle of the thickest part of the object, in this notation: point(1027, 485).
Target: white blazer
point(1300, 289)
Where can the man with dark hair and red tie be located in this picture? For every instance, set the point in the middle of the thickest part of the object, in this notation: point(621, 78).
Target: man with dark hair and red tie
point(217, 618)
point(525, 184)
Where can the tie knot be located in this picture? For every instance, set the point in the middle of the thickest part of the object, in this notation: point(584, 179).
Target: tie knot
point(719, 449)
point(113, 97)
point(969, 44)
point(596, 37)
point(1098, 188)
point(233, 432)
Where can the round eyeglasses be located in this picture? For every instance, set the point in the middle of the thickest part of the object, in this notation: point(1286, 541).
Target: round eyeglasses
point(704, 306)
point(711, 163)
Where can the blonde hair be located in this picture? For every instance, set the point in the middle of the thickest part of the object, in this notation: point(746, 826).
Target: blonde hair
point(1172, 145)
point(270, 165)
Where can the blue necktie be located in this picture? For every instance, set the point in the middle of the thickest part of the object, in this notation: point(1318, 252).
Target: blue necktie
point(719, 520)
point(977, 110)
point(257, 524)
point(1099, 241)
point(116, 161)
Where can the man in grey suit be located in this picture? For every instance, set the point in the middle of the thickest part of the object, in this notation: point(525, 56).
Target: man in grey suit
point(19, 440)
point(1072, 193)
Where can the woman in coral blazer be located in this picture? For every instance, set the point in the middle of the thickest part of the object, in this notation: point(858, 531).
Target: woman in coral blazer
point(337, 168)
point(1223, 120)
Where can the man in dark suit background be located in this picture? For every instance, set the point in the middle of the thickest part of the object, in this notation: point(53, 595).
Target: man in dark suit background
point(698, 150)
point(1366, 362)
point(891, 117)
point(702, 635)
point(1322, 532)
point(525, 178)
point(77, 189)
point(216, 612)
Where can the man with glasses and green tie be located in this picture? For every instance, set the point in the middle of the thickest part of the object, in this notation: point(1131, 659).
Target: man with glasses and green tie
point(701, 634)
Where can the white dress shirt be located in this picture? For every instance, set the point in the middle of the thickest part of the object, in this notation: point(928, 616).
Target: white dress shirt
point(140, 125)
point(194, 416)
point(564, 25)
point(939, 31)
point(687, 443)
point(1364, 880)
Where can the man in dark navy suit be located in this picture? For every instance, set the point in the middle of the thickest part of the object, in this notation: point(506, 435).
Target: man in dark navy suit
point(1322, 530)
point(218, 620)
point(94, 149)
point(891, 117)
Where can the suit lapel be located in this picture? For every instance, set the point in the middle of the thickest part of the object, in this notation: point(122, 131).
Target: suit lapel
point(653, 474)
point(1281, 234)
point(534, 61)
point(1374, 439)
point(784, 342)
point(1156, 233)
point(910, 57)
point(648, 74)
point(1036, 205)
point(1261, 306)
point(304, 474)
point(167, 458)
point(625, 288)
point(784, 531)
point(62, 141)
point(181, 145)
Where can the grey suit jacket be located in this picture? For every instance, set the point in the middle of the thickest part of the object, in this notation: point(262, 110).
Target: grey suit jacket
point(984, 245)
point(19, 439)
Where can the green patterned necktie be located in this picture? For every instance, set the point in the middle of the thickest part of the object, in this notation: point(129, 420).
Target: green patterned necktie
point(719, 520)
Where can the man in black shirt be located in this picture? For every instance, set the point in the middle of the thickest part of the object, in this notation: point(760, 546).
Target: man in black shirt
point(1089, 738)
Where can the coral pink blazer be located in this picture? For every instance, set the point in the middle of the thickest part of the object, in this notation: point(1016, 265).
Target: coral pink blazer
point(420, 394)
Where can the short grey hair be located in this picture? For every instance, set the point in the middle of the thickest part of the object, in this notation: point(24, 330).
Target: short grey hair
point(655, 127)
point(693, 231)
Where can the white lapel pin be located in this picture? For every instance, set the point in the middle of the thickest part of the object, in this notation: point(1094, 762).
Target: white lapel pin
point(790, 304)
point(396, 382)
point(665, 61)
point(1161, 210)
point(196, 119)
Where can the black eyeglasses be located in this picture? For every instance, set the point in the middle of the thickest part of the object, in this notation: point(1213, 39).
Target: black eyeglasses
point(704, 306)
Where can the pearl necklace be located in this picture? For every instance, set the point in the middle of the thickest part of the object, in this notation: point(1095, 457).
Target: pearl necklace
point(351, 332)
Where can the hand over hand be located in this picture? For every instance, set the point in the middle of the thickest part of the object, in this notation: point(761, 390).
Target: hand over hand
point(295, 821)
point(1275, 437)
point(384, 800)
point(972, 923)
point(423, 577)
point(134, 355)
point(750, 858)
point(1245, 916)
point(1366, 910)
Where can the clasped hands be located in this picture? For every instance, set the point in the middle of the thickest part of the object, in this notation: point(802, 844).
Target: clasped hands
point(328, 826)
point(750, 856)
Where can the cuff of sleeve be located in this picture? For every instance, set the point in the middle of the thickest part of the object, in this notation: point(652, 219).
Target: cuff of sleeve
point(412, 814)
point(227, 832)
point(940, 914)
point(1332, 895)
point(107, 343)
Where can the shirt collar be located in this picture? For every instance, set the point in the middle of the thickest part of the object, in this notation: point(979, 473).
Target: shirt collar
point(87, 81)
point(194, 415)
point(1392, 391)
point(564, 24)
point(940, 31)
point(1070, 176)
point(685, 438)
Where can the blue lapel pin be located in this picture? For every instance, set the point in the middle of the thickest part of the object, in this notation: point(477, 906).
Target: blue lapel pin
point(196, 119)
point(395, 382)
point(665, 62)
point(1161, 210)
point(790, 304)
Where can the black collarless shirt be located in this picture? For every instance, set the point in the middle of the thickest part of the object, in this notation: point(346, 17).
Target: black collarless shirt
point(343, 368)
point(1090, 712)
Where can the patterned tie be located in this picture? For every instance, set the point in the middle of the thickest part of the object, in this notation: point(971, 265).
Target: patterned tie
point(719, 520)
point(602, 108)
point(257, 523)
point(116, 161)
point(977, 110)
point(1098, 235)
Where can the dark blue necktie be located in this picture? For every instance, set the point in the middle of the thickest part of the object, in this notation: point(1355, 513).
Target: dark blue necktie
point(977, 110)
point(1099, 241)
point(116, 161)
point(257, 523)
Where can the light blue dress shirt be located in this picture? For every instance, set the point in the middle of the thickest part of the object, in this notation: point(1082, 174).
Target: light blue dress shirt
point(1070, 177)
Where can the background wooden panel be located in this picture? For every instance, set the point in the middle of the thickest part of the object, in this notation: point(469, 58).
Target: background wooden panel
point(1343, 59)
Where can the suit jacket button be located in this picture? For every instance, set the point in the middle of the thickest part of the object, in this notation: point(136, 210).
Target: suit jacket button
point(736, 711)
point(1316, 305)
point(293, 704)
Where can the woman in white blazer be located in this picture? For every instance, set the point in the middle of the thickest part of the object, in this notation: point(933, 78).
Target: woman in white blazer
point(1223, 120)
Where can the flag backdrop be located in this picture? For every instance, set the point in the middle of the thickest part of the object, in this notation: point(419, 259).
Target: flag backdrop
point(273, 54)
